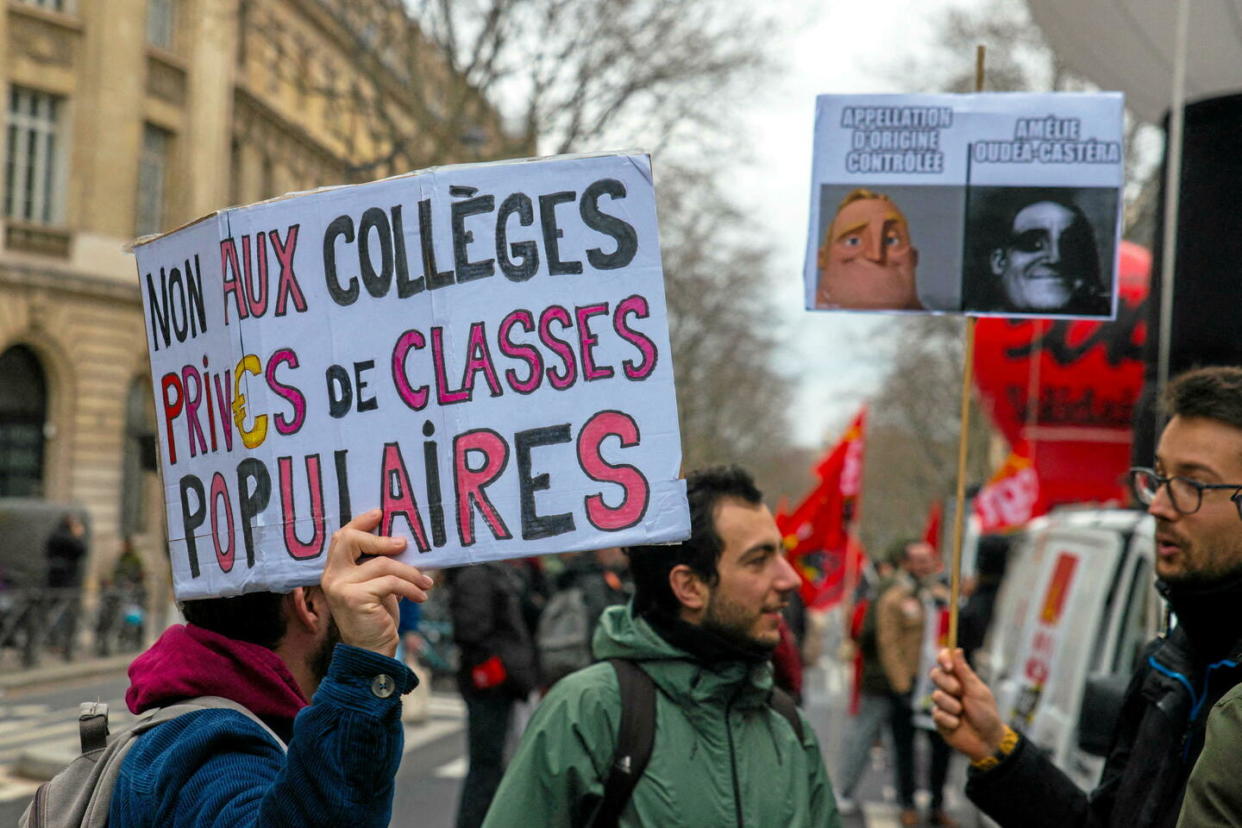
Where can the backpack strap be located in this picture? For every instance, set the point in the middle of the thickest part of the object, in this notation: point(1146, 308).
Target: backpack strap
point(783, 703)
point(93, 726)
point(164, 714)
point(635, 738)
point(81, 794)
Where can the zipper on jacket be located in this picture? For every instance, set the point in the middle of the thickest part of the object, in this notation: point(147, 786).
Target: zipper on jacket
point(1196, 700)
point(737, 792)
point(1207, 684)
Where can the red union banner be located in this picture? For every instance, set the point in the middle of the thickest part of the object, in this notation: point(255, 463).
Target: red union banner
point(1065, 390)
point(818, 534)
point(1011, 496)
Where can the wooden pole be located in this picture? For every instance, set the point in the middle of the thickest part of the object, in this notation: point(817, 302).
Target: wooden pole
point(959, 505)
point(963, 442)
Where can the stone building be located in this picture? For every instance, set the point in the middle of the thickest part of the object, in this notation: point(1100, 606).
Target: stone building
point(129, 117)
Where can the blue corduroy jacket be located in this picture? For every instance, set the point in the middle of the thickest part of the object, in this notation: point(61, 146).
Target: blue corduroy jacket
point(218, 768)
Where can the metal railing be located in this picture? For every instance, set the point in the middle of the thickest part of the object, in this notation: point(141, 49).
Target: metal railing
point(40, 625)
point(37, 624)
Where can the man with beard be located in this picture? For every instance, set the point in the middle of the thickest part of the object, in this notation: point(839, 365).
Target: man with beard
point(702, 625)
point(268, 654)
point(1193, 493)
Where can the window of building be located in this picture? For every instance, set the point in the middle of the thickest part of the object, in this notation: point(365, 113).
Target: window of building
point(161, 17)
point(32, 157)
point(23, 411)
point(139, 457)
point(267, 177)
point(235, 172)
point(152, 177)
point(50, 5)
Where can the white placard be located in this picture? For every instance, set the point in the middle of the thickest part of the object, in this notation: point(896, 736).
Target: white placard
point(480, 351)
point(988, 204)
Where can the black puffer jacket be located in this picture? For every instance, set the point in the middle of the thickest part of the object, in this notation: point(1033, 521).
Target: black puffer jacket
point(485, 604)
point(1158, 738)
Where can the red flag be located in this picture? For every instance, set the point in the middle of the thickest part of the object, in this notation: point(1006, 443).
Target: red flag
point(819, 533)
point(931, 529)
point(1011, 497)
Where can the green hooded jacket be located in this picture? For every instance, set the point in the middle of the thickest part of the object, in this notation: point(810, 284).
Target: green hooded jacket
point(1213, 795)
point(722, 755)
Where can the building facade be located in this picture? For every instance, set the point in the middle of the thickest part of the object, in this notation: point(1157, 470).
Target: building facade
point(129, 117)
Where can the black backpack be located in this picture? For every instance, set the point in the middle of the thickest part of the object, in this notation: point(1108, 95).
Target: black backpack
point(636, 736)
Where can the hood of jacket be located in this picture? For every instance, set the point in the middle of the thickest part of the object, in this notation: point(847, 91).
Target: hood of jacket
point(189, 661)
point(696, 686)
point(712, 763)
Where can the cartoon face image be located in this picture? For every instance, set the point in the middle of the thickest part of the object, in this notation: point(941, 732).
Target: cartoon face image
point(1048, 260)
point(867, 260)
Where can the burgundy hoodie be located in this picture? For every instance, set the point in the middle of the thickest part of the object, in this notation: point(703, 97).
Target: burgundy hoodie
point(189, 661)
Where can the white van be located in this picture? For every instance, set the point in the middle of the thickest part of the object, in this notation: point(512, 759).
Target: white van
point(1076, 607)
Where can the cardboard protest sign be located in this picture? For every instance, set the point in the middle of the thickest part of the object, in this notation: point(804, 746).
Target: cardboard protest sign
point(988, 204)
point(480, 351)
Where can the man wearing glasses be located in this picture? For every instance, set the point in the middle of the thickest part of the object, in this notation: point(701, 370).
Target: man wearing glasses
point(1194, 492)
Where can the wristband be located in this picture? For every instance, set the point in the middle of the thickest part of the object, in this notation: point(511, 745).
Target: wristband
point(1008, 742)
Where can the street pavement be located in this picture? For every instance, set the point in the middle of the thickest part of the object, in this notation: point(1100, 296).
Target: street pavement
point(38, 732)
point(826, 703)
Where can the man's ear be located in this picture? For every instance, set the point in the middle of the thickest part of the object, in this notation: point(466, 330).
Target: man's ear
point(308, 608)
point(688, 587)
point(998, 261)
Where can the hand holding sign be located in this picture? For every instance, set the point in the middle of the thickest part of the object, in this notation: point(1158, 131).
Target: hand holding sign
point(362, 584)
point(965, 710)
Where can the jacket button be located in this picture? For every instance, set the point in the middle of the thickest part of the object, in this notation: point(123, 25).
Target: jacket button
point(383, 686)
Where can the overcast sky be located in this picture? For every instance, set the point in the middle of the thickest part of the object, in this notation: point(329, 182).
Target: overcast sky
point(834, 47)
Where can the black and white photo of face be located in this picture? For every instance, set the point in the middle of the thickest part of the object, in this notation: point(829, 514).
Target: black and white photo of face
point(1048, 260)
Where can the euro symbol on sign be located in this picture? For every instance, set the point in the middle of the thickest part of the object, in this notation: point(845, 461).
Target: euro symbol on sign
point(258, 433)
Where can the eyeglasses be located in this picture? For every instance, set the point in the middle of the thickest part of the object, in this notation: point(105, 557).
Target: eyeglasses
point(1185, 494)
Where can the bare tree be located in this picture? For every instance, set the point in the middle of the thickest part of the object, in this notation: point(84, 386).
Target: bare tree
point(476, 79)
point(913, 427)
point(480, 79)
point(732, 399)
point(1019, 59)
